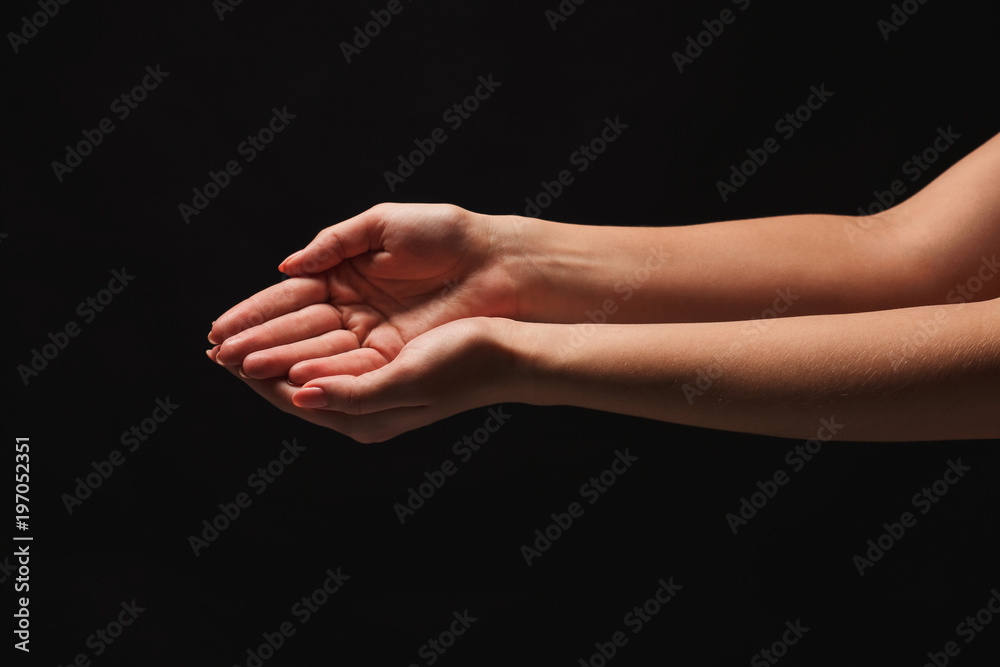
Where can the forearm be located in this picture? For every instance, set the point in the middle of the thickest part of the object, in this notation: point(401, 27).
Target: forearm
point(733, 270)
point(925, 373)
point(918, 253)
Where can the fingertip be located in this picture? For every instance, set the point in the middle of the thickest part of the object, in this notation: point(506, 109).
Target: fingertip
point(310, 397)
point(290, 258)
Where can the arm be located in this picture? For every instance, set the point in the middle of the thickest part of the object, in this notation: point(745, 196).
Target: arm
point(924, 373)
point(913, 254)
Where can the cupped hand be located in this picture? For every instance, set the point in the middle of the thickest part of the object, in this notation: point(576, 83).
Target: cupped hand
point(365, 287)
point(455, 367)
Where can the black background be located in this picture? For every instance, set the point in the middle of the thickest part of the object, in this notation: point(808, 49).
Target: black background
point(334, 506)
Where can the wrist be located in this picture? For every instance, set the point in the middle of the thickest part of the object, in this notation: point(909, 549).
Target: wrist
point(547, 264)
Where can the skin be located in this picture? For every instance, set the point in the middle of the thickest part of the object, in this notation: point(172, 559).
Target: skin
point(409, 313)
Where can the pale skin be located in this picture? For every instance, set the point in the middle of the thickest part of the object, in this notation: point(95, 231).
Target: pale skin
point(409, 313)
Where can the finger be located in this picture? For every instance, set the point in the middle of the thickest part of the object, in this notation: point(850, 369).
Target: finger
point(309, 322)
point(377, 427)
point(279, 393)
point(277, 361)
point(334, 244)
point(354, 362)
point(384, 388)
point(285, 297)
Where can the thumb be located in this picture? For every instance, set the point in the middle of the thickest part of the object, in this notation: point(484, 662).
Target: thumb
point(381, 389)
point(333, 245)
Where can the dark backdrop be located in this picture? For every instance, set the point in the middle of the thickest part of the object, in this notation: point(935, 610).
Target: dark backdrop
point(66, 233)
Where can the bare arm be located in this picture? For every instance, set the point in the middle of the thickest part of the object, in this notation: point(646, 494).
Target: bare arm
point(913, 254)
point(923, 373)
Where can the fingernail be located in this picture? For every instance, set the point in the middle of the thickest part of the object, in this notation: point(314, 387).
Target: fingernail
point(242, 374)
point(212, 352)
point(281, 267)
point(211, 340)
point(312, 397)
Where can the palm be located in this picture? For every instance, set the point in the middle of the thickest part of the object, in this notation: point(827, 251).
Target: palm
point(388, 297)
point(397, 273)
